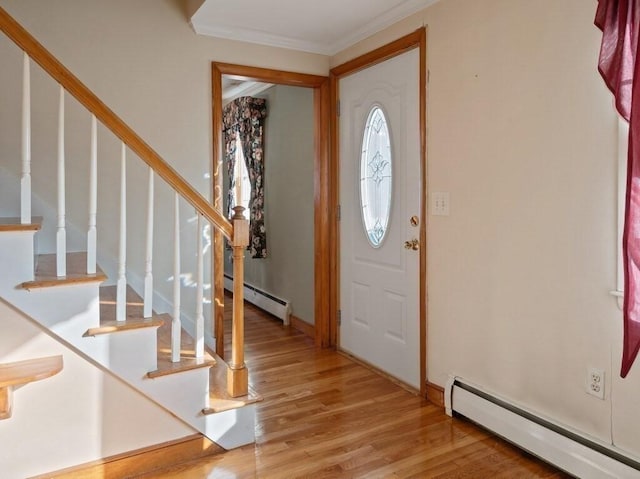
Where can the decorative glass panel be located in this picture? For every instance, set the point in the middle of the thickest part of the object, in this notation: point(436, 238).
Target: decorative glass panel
point(376, 177)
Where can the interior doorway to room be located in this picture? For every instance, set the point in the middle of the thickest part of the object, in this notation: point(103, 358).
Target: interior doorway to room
point(381, 167)
point(281, 83)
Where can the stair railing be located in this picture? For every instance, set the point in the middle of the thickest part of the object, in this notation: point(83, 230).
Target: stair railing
point(236, 230)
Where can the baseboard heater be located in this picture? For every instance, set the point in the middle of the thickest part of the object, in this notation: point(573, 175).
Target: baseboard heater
point(567, 450)
point(280, 308)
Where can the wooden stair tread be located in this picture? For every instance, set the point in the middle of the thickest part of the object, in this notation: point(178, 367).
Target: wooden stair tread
point(134, 316)
point(14, 224)
point(113, 326)
point(45, 274)
point(219, 398)
point(187, 362)
point(135, 309)
point(19, 373)
point(167, 367)
point(24, 372)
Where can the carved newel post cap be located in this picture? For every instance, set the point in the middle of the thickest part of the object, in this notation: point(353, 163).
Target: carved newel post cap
point(238, 213)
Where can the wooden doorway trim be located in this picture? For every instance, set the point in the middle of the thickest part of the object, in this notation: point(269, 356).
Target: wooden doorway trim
point(322, 221)
point(417, 39)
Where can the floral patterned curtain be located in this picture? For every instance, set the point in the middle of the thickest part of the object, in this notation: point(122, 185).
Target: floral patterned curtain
point(243, 118)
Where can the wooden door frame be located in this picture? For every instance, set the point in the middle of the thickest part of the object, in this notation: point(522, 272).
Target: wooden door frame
point(322, 191)
point(417, 39)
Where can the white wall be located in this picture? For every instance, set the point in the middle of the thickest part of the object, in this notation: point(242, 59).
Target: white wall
point(79, 415)
point(521, 132)
point(144, 61)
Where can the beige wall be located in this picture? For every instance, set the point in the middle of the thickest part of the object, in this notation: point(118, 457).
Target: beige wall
point(521, 132)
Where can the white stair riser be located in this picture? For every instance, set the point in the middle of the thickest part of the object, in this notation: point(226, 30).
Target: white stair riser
point(67, 310)
point(70, 310)
point(16, 258)
point(130, 354)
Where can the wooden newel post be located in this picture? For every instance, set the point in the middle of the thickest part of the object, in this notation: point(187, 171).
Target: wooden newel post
point(238, 374)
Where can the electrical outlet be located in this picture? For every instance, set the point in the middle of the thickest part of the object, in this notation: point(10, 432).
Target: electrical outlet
point(595, 382)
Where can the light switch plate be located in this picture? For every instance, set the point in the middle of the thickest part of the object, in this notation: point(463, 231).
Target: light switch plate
point(440, 204)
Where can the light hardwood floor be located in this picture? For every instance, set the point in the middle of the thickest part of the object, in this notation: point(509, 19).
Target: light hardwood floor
point(324, 416)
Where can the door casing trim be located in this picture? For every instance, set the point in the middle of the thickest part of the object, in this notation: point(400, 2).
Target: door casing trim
point(322, 240)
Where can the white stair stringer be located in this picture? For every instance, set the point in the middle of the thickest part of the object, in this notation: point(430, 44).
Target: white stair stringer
point(68, 311)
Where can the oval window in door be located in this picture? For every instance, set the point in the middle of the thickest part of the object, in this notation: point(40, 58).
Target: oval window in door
point(376, 177)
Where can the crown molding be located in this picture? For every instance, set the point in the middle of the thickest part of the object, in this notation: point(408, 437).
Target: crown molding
point(383, 21)
point(261, 38)
point(400, 12)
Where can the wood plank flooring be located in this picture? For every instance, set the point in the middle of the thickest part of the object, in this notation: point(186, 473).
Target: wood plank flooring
point(324, 416)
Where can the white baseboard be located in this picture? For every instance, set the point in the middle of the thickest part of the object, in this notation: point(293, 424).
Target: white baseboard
point(280, 308)
point(569, 451)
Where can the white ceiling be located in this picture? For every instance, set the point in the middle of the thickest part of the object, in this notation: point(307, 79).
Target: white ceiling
point(318, 26)
point(232, 88)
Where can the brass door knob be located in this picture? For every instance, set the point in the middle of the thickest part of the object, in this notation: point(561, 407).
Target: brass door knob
point(414, 244)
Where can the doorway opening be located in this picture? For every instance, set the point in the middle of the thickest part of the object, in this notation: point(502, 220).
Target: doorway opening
point(319, 86)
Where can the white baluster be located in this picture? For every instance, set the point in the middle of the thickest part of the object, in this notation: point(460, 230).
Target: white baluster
point(176, 326)
point(25, 179)
point(61, 233)
point(121, 291)
point(93, 199)
point(199, 293)
point(148, 274)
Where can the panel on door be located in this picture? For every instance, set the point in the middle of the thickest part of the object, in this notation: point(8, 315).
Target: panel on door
point(379, 195)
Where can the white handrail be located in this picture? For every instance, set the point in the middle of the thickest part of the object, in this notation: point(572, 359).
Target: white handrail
point(176, 324)
point(148, 264)
point(25, 178)
point(61, 233)
point(121, 288)
point(199, 349)
point(92, 233)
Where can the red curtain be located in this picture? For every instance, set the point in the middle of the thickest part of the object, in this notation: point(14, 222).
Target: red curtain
point(619, 21)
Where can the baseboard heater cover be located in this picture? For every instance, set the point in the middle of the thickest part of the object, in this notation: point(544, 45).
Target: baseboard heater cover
point(567, 450)
point(280, 308)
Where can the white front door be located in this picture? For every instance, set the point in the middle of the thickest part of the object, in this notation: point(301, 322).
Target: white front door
point(380, 207)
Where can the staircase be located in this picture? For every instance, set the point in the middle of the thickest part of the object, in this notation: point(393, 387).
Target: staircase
point(105, 319)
